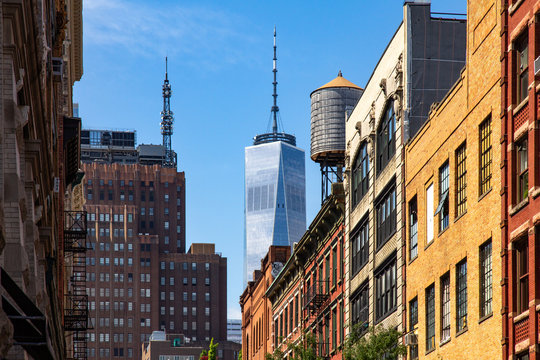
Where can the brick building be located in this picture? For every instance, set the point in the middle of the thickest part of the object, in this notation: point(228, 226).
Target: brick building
point(170, 346)
point(257, 308)
point(417, 68)
point(139, 278)
point(452, 229)
point(307, 296)
point(520, 177)
point(41, 59)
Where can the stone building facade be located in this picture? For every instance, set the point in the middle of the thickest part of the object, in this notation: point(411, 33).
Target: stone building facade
point(41, 58)
point(452, 227)
point(417, 68)
point(520, 176)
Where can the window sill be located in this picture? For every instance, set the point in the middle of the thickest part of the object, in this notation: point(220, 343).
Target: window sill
point(515, 209)
point(430, 351)
point(429, 244)
point(390, 312)
point(484, 194)
point(414, 258)
point(521, 316)
point(460, 216)
point(462, 331)
point(445, 341)
point(512, 8)
point(535, 192)
point(484, 318)
point(522, 104)
point(443, 231)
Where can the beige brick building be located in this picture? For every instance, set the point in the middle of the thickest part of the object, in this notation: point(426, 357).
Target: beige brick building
point(452, 209)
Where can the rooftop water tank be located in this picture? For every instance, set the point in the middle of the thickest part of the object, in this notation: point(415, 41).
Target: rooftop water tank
point(329, 105)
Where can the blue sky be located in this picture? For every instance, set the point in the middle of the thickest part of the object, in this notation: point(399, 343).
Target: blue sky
point(220, 67)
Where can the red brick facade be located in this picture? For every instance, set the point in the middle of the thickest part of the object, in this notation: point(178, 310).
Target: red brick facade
point(520, 172)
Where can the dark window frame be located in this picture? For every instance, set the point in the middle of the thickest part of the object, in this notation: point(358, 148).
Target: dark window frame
point(360, 308)
point(386, 213)
point(430, 317)
point(445, 307)
point(485, 156)
point(486, 279)
point(522, 67)
point(413, 228)
point(360, 177)
point(443, 209)
point(413, 322)
point(386, 288)
point(360, 246)
point(522, 169)
point(461, 180)
point(386, 137)
point(461, 296)
point(522, 271)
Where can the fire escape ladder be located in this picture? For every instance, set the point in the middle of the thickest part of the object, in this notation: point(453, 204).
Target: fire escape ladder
point(76, 299)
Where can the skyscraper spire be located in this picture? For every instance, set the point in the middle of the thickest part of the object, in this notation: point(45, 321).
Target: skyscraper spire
point(275, 108)
point(167, 120)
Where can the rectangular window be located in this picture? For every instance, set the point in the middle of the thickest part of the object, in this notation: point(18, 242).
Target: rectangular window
point(386, 289)
point(522, 170)
point(443, 208)
point(486, 280)
point(485, 156)
point(413, 229)
point(445, 307)
point(360, 179)
point(386, 140)
point(522, 275)
point(461, 295)
point(413, 323)
point(386, 216)
point(334, 266)
point(430, 318)
point(429, 213)
point(360, 309)
point(461, 180)
point(522, 67)
point(334, 328)
point(360, 247)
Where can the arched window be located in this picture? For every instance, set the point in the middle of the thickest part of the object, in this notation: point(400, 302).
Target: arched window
point(360, 180)
point(386, 138)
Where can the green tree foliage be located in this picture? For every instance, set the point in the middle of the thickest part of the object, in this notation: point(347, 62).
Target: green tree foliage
point(305, 349)
point(212, 350)
point(204, 355)
point(375, 344)
point(240, 355)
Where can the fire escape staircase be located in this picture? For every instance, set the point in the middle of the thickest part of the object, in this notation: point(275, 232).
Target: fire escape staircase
point(76, 301)
point(316, 300)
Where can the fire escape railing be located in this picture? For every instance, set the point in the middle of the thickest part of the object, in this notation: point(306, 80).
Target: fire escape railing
point(316, 295)
point(76, 299)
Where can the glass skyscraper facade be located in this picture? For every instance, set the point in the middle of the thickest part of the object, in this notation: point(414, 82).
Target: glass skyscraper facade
point(275, 200)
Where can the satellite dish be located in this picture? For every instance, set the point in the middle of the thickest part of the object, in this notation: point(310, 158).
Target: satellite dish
point(276, 268)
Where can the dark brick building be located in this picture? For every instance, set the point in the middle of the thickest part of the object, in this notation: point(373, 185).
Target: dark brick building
point(520, 173)
point(139, 277)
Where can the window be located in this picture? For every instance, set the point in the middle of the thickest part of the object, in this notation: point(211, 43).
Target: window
point(429, 213)
point(486, 280)
point(461, 295)
point(522, 170)
point(413, 229)
point(523, 356)
point(334, 266)
point(522, 66)
point(485, 156)
point(386, 289)
point(430, 318)
point(522, 275)
point(442, 208)
point(413, 322)
point(360, 308)
point(386, 216)
point(360, 180)
point(360, 247)
point(461, 180)
point(445, 307)
point(386, 142)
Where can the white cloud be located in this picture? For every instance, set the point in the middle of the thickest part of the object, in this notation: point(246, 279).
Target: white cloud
point(234, 313)
point(201, 35)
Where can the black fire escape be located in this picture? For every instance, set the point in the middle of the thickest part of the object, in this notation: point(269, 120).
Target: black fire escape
point(316, 300)
point(76, 305)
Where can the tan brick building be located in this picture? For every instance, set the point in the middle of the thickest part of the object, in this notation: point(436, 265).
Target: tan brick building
point(452, 209)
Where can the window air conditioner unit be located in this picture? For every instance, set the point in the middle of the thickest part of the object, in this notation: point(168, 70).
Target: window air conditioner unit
point(410, 339)
point(537, 66)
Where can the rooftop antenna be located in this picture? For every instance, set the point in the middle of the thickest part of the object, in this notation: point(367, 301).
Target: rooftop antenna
point(275, 108)
point(167, 120)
